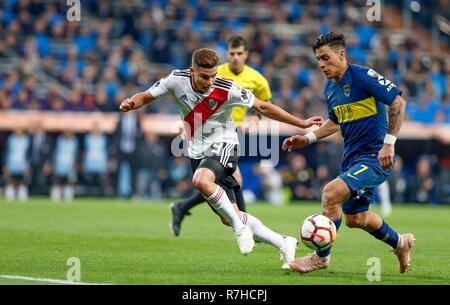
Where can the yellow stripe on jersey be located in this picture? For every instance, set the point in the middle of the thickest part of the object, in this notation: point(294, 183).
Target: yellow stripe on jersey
point(249, 79)
point(356, 110)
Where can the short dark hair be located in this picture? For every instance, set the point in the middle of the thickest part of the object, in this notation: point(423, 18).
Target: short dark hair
point(332, 39)
point(205, 58)
point(236, 41)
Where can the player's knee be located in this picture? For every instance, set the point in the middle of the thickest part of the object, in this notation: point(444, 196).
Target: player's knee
point(356, 221)
point(330, 197)
point(200, 183)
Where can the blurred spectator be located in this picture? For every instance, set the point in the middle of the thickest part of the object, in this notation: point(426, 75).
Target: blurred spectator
point(40, 152)
point(271, 182)
point(298, 177)
point(95, 161)
point(180, 174)
point(424, 184)
point(64, 167)
point(320, 179)
point(16, 169)
point(153, 162)
point(128, 136)
point(398, 182)
point(444, 179)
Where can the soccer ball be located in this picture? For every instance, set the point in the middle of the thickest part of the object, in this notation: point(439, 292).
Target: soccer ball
point(318, 232)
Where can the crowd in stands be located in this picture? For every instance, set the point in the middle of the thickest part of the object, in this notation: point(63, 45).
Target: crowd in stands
point(121, 47)
point(131, 164)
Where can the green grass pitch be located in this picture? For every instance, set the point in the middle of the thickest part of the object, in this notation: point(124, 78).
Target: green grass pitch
point(124, 242)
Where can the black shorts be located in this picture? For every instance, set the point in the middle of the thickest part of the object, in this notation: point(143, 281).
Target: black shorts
point(222, 160)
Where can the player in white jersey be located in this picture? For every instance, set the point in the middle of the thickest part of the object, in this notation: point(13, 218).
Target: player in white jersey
point(205, 102)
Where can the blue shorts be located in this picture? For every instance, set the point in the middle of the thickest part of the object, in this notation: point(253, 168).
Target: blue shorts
point(362, 178)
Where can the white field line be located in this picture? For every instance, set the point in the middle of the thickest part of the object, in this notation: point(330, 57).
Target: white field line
point(46, 280)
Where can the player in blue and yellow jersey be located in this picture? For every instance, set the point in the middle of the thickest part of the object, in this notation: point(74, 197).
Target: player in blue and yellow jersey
point(245, 77)
point(368, 109)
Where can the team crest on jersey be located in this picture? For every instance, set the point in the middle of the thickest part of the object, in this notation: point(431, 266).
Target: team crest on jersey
point(212, 103)
point(346, 90)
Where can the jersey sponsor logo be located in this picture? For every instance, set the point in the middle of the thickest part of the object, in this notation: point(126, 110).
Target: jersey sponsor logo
point(381, 79)
point(372, 73)
point(356, 110)
point(346, 90)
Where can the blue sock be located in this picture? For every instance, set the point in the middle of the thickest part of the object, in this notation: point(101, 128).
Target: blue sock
point(326, 252)
point(386, 234)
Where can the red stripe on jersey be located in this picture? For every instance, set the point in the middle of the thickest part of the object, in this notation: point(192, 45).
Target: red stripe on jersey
point(205, 109)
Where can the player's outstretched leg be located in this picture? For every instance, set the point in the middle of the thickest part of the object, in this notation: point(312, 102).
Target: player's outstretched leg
point(334, 194)
point(403, 251)
point(181, 209)
point(316, 260)
point(203, 180)
point(378, 228)
point(286, 245)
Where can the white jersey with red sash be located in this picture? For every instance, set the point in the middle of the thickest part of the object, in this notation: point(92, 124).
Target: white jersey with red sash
point(206, 115)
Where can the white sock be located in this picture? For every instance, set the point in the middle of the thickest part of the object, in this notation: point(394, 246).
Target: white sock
point(69, 193)
point(385, 199)
point(22, 193)
point(55, 193)
point(9, 192)
point(262, 232)
point(220, 201)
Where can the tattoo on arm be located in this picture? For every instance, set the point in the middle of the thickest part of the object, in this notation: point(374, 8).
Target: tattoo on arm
point(396, 114)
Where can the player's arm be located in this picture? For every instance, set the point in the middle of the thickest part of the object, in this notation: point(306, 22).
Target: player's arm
point(161, 88)
point(276, 113)
point(136, 101)
point(396, 114)
point(327, 129)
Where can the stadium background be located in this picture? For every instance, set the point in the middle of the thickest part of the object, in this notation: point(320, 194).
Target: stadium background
point(59, 75)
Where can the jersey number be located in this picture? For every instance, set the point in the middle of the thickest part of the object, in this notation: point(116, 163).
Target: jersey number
point(363, 168)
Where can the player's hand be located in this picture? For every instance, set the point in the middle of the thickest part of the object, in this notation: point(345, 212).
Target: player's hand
point(294, 142)
point(126, 105)
point(315, 120)
point(386, 156)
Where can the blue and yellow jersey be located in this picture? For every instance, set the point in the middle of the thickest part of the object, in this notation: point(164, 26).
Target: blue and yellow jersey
point(249, 79)
point(358, 105)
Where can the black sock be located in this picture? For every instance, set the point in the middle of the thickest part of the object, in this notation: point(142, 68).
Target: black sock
point(240, 200)
point(191, 202)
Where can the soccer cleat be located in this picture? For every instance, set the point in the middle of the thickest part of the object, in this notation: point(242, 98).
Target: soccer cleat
point(287, 252)
point(244, 237)
point(177, 218)
point(403, 250)
point(310, 263)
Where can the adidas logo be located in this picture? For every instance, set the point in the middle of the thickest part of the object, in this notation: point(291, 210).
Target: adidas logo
point(184, 98)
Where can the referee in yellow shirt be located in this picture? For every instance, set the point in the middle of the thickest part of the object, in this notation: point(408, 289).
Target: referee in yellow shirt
point(247, 78)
